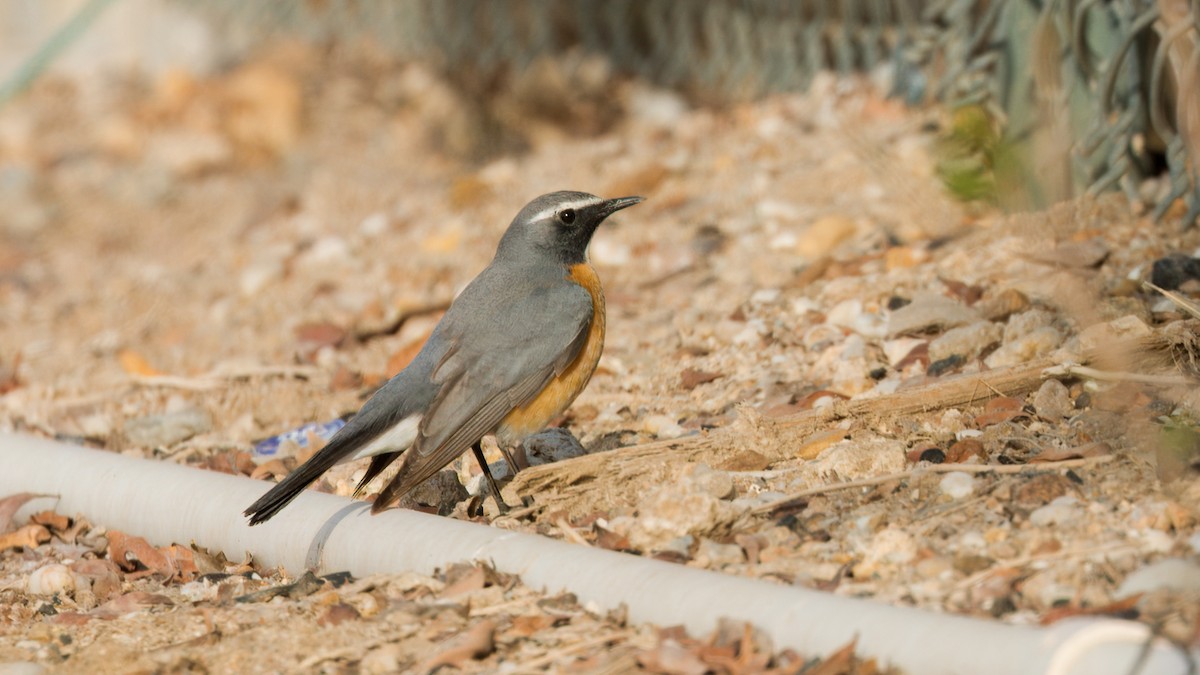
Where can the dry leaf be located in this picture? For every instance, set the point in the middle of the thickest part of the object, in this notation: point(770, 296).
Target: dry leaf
point(318, 335)
point(671, 658)
point(476, 643)
point(469, 582)
point(104, 576)
point(1125, 608)
point(691, 378)
point(26, 537)
point(183, 560)
point(746, 460)
point(336, 614)
point(1000, 409)
point(71, 618)
point(531, 624)
point(55, 521)
point(135, 364)
point(126, 551)
point(11, 504)
point(130, 602)
point(208, 563)
point(841, 662)
point(815, 444)
point(274, 468)
point(918, 355)
point(960, 451)
point(611, 540)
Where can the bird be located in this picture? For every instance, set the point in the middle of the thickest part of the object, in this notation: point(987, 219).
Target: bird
point(510, 354)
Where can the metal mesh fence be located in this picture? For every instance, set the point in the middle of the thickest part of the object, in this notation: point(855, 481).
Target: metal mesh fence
point(1091, 95)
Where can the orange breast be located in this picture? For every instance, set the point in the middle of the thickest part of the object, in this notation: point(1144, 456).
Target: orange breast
point(562, 390)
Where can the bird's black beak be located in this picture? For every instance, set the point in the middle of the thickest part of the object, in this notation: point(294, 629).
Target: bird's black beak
point(613, 205)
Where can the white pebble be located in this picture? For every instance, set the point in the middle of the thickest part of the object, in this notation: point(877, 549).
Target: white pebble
point(374, 225)
point(662, 426)
point(957, 485)
point(1061, 511)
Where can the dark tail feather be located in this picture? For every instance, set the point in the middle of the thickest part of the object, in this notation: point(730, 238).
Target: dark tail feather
point(287, 489)
point(378, 464)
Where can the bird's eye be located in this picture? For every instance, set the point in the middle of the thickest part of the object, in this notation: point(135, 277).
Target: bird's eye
point(567, 216)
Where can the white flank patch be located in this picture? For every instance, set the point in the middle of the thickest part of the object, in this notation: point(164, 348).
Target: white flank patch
point(399, 437)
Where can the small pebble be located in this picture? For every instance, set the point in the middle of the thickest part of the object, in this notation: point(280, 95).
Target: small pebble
point(966, 341)
point(662, 426)
point(935, 567)
point(957, 485)
point(1038, 342)
point(711, 554)
point(1052, 402)
point(552, 445)
point(1170, 272)
point(1062, 511)
point(374, 225)
point(929, 311)
point(155, 431)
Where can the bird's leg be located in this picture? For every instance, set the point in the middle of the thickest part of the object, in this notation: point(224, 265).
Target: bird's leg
point(487, 477)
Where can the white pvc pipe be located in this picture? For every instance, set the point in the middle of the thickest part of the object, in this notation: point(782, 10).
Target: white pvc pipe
point(167, 503)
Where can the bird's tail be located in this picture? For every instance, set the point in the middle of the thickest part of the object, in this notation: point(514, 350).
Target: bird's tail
point(290, 487)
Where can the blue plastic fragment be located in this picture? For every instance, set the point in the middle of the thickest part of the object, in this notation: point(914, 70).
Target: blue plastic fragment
point(299, 436)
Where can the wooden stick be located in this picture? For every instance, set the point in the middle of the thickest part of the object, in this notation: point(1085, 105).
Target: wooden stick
point(1041, 467)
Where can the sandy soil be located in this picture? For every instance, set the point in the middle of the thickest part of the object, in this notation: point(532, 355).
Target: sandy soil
point(190, 265)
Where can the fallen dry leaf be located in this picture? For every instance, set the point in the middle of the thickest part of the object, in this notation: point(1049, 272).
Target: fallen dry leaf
point(28, 537)
point(964, 449)
point(918, 355)
point(71, 618)
point(317, 335)
point(671, 658)
point(338, 613)
point(968, 294)
point(815, 444)
point(1000, 409)
point(11, 504)
point(477, 642)
point(104, 576)
point(471, 581)
point(745, 460)
point(130, 602)
point(691, 378)
point(531, 624)
point(51, 519)
point(611, 540)
point(208, 563)
point(136, 364)
point(126, 551)
point(1125, 608)
point(183, 560)
point(274, 468)
point(841, 662)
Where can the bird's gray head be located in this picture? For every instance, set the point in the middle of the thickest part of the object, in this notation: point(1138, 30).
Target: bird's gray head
point(558, 226)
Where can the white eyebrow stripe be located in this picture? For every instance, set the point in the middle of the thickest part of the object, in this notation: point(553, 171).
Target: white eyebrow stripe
point(576, 204)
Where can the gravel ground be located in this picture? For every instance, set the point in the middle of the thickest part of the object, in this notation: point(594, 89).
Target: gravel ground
point(190, 265)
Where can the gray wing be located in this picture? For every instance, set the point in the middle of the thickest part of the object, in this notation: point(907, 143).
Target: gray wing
point(522, 343)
